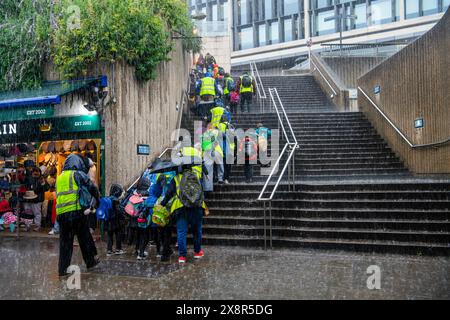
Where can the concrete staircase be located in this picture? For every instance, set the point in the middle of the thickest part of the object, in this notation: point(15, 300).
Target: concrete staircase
point(353, 193)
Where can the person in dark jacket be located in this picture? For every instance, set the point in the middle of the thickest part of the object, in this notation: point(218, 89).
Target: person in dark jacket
point(114, 226)
point(70, 213)
point(36, 183)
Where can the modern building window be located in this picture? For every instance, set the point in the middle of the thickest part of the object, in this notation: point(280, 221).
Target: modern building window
point(290, 7)
point(325, 27)
point(430, 7)
point(262, 35)
point(242, 12)
point(268, 9)
point(361, 16)
point(445, 4)
point(412, 8)
point(287, 30)
point(381, 11)
point(274, 33)
point(246, 38)
point(322, 3)
point(215, 12)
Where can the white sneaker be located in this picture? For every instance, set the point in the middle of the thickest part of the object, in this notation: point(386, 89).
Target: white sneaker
point(53, 232)
point(226, 181)
point(119, 252)
point(140, 258)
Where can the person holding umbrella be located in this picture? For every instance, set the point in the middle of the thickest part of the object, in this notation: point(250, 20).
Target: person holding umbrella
point(186, 194)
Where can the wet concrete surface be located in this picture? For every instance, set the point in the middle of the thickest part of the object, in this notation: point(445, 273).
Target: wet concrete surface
point(28, 270)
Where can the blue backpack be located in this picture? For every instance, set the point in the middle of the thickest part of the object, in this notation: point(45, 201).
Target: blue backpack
point(104, 211)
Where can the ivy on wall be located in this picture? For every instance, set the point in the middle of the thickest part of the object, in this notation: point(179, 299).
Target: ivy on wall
point(77, 34)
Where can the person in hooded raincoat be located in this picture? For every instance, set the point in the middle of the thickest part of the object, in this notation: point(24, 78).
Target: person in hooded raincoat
point(70, 213)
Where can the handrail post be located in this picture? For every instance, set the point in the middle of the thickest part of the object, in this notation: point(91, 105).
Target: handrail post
point(265, 227)
point(270, 224)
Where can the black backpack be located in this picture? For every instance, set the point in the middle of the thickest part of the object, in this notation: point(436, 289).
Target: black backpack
point(246, 81)
point(231, 85)
point(191, 191)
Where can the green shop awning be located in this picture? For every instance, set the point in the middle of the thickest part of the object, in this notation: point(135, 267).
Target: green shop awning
point(50, 93)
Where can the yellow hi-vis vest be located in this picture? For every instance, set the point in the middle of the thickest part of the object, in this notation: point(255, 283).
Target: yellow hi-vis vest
point(223, 127)
point(67, 199)
point(177, 204)
point(243, 89)
point(208, 87)
point(225, 90)
point(217, 114)
point(192, 152)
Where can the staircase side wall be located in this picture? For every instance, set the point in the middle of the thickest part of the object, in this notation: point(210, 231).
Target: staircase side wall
point(415, 84)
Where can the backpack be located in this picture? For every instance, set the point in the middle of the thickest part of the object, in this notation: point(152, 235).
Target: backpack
point(161, 216)
point(191, 192)
point(231, 86)
point(105, 210)
point(246, 81)
point(234, 97)
point(221, 71)
point(132, 207)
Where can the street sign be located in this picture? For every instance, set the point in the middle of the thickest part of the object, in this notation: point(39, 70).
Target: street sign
point(418, 123)
point(377, 90)
point(143, 150)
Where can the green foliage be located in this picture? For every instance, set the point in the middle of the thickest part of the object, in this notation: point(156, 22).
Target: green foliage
point(78, 34)
point(24, 42)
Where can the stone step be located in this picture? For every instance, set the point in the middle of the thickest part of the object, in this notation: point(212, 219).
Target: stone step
point(378, 246)
point(337, 213)
point(337, 203)
point(335, 233)
point(333, 223)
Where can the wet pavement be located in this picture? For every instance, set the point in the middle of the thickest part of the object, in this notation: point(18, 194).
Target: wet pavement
point(28, 271)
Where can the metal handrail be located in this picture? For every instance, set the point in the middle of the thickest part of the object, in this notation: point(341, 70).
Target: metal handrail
point(414, 146)
point(275, 91)
point(324, 78)
point(259, 85)
point(293, 146)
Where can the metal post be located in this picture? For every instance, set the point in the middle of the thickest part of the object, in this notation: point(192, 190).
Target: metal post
point(341, 20)
point(265, 227)
point(270, 223)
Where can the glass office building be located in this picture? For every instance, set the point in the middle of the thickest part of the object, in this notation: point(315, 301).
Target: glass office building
point(258, 23)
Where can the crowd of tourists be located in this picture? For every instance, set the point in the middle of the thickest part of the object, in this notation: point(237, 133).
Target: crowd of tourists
point(169, 196)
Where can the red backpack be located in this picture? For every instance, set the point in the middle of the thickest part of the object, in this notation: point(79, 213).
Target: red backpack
point(234, 97)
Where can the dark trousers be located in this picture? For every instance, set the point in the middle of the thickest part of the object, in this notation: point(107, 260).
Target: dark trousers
point(248, 169)
point(118, 234)
point(226, 171)
point(246, 98)
point(143, 238)
point(75, 224)
point(163, 237)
